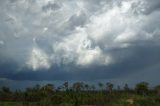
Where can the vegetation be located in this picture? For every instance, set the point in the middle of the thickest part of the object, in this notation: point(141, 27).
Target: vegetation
point(82, 94)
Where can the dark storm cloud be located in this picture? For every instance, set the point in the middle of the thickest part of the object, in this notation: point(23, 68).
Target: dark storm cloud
point(79, 40)
point(51, 6)
point(152, 6)
point(140, 59)
point(77, 20)
point(146, 6)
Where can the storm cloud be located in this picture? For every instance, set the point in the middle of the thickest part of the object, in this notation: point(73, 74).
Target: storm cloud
point(79, 39)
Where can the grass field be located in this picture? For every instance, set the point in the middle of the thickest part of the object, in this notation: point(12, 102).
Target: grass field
point(116, 99)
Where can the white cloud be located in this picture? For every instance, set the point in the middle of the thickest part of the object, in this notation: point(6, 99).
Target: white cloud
point(126, 36)
point(93, 56)
point(125, 6)
point(105, 26)
point(78, 48)
point(1, 42)
point(117, 27)
point(38, 59)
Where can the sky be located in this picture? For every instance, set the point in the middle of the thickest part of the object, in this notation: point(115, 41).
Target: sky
point(79, 40)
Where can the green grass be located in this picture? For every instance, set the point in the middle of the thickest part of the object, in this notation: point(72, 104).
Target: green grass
point(121, 99)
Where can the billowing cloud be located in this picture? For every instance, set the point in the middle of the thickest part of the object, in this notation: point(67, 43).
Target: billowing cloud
point(38, 59)
point(68, 38)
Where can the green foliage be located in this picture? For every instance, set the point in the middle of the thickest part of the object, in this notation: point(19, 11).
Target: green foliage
point(157, 89)
point(142, 88)
point(80, 95)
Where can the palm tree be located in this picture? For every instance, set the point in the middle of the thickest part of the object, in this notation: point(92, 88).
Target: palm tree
point(100, 85)
point(126, 88)
point(109, 87)
point(86, 87)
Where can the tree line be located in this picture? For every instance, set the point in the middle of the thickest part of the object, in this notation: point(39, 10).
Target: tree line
point(76, 93)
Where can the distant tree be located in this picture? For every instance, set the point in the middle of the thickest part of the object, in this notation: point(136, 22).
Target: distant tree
point(142, 88)
point(18, 96)
point(77, 86)
point(34, 93)
point(126, 87)
point(157, 89)
point(86, 87)
point(6, 89)
point(48, 89)
point(109, 87)
point(100, 85)
point(66, 85)
point(5, 94)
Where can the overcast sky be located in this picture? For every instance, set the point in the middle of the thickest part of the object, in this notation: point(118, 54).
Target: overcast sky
point(91, 40)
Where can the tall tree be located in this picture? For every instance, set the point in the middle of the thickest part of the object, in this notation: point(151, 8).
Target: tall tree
point(66, 85)
point(86, 87)
point(100, 85)
point(109, 87)
point(126, 87)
